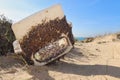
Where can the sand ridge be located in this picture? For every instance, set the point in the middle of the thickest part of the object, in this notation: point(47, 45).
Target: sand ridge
point(87, 61)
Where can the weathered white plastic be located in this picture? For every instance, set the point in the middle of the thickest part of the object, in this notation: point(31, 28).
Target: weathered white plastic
point(17, 48)
point(21, 28)
point(64, 41)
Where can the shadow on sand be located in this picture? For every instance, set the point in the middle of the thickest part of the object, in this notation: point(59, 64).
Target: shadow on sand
point(41, 73)
point(11, 65)
point(86, 70)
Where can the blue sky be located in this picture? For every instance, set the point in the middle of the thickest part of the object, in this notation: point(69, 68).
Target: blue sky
point(89, 17)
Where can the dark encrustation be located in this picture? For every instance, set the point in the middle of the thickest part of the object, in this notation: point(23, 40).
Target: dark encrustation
point(43, 34)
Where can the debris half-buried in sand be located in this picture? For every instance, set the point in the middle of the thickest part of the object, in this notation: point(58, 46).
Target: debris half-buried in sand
point(47, 41)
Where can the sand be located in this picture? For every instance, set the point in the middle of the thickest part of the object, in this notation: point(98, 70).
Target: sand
point(96, 60)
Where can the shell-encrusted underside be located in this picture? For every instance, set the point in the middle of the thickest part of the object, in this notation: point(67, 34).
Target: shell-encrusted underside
point(43, 34)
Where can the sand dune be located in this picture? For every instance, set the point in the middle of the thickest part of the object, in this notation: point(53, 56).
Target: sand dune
point(96, 60)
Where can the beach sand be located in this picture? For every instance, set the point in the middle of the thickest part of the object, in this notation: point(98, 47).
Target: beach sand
point(97, 60)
